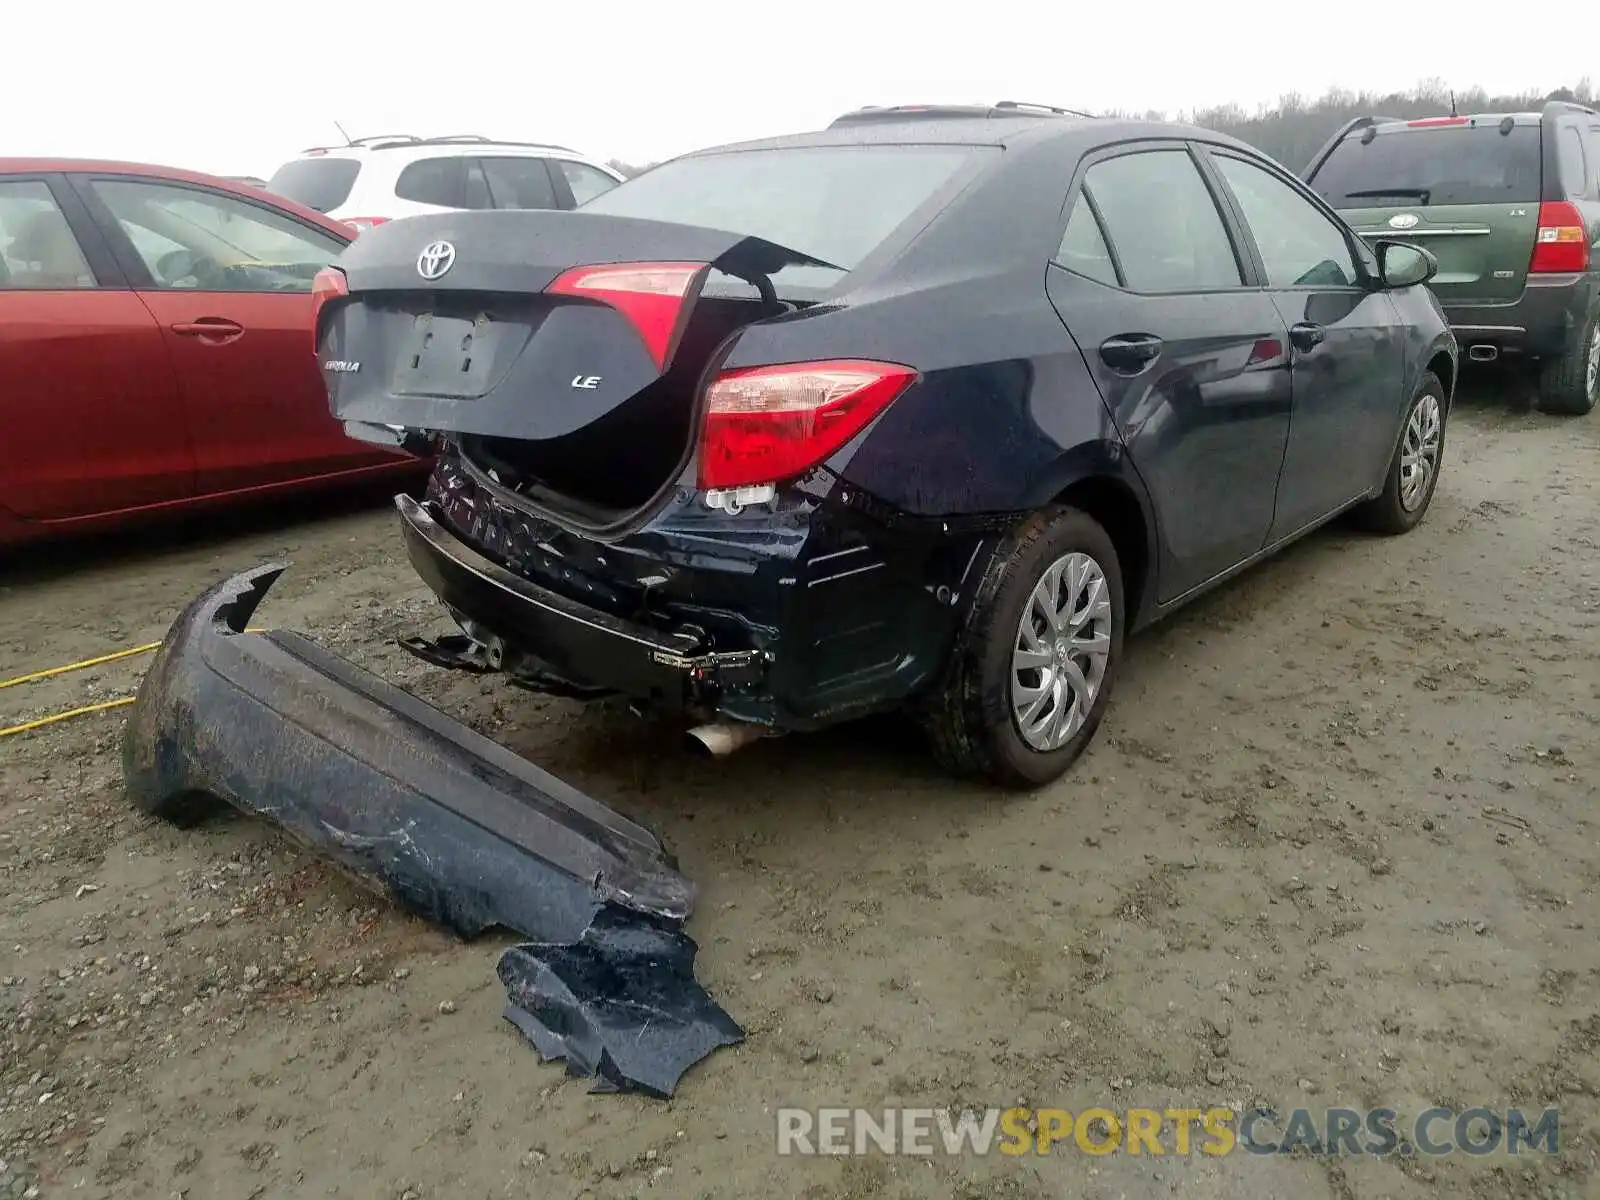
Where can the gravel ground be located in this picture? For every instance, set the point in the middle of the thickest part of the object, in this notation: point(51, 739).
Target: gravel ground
point(1335, 845)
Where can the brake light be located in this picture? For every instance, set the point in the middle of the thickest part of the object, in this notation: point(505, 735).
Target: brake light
point(361, 224)
point(1562, 243)
point(1425, 122)
point(652, 295)
point(328, 284)
point(764, 424)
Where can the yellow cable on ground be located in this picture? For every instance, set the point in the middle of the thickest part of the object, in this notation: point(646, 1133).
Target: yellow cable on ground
point(62, 716)
point(78, 666)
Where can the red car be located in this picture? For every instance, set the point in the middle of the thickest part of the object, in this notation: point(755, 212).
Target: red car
point(156, 349)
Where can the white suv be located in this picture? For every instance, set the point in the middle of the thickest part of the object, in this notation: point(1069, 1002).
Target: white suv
point(378, 179)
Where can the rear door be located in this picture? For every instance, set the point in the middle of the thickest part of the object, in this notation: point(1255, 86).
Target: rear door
point(1466, 189)
point(1188, 354)
point(90, 407)
point(1344, 344)
point(229, 283)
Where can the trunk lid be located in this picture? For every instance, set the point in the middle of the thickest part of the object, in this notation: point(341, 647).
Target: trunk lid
point(452, 324)
point(1483, 249)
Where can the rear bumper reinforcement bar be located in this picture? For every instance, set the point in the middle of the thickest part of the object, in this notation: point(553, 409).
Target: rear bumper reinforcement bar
point(579, 642)
point(454, 826)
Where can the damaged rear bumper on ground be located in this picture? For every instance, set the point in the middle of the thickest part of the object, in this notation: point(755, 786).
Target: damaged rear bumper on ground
point(453, 826)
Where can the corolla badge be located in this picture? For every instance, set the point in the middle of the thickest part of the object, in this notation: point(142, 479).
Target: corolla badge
point(1403, 221)
point(436, 258)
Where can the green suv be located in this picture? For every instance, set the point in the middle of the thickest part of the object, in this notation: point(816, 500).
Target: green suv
point(1510, 206)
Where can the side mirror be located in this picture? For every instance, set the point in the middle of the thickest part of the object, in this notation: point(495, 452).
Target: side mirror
point(1402, 265)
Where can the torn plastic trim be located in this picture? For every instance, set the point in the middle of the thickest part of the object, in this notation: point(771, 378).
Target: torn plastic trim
point(455, 827)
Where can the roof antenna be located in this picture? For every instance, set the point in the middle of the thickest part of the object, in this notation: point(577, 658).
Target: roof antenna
point(1453, 111)
point(348, 140)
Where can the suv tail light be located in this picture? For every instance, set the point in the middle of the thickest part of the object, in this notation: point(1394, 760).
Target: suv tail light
point(328, 284)
point(361, 224)
point(764, 424)
point(652, 295)
point(1562, 243)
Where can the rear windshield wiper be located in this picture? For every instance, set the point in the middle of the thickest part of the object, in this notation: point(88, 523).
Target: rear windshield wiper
point(1421, 194)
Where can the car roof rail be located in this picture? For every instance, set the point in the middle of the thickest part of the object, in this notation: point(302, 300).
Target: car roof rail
point(950, 112)
point(1555, 108)
point(372, 141)
point(1049, 108)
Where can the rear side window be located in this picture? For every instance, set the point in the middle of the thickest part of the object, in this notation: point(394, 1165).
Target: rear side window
point(438, 181)
point(320, 183)
point(1574, 163)
point(585, 181)
point(1083, 247)
point(1161, 219)
point(519, 182)
point(37, 249)
point(835, 203)
point(1442, 164)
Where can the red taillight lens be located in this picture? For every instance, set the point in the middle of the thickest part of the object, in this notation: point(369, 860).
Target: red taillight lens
point(361, 224)
point(653, 296)
point(765, 424)
point(328, 284)
point(1562, 243)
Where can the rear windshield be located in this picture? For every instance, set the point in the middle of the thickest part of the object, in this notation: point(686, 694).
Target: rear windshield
point(1447, 164)
point(835, 203)
point(319, 183)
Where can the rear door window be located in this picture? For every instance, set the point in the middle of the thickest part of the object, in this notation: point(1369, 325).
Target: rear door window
point(320, 183)
point(519, 182)
point(1163, 223)
point(439, 181)
point(1299, 246)
point(1083, 247)
point(38, 251)
point(584, 181)
point(1440, 164)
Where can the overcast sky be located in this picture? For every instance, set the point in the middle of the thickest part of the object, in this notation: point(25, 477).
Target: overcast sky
point(238, 88)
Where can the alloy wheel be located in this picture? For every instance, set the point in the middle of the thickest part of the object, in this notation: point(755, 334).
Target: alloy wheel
point(1419, 451)
point(1063, 647)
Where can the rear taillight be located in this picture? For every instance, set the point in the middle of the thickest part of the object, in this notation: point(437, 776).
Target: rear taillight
point(1562, 243)
point(360, 225)
point(765, 424)
point(652, 295)
point(329, 284)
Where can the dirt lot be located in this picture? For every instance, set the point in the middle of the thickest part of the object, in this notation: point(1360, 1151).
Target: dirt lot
point(1335, 846)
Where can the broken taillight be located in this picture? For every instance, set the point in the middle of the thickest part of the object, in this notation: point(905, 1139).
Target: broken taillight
point(1562, 243)
point(654, 296)
point(328, 284)
point(764, 424)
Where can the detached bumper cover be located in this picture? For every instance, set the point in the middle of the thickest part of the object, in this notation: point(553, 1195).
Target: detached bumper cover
point(457, 828)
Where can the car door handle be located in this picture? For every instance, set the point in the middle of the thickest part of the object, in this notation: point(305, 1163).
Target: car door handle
point(1306, 336)
point(211, 329)
point(1130, 353)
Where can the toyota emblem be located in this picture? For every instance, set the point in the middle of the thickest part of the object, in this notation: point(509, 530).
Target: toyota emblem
point(1398, 221)
point(436, 258)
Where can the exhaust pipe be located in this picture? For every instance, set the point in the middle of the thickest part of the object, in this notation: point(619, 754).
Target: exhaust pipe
point(1483, 352)
point(723, 738)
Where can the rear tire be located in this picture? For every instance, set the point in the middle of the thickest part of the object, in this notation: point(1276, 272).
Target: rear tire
point(1568, 386)
point(1012, 662)
point(1414, 471)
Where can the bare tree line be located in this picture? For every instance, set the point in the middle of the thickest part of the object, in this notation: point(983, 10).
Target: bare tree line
point(1293, 128)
